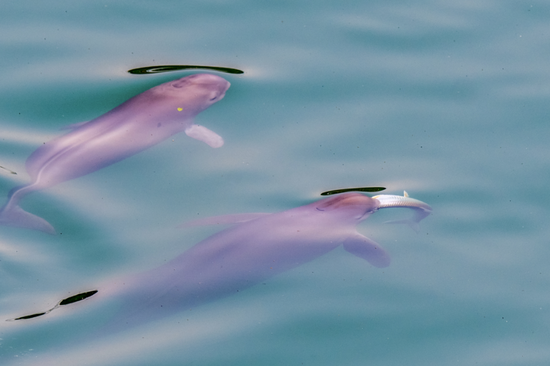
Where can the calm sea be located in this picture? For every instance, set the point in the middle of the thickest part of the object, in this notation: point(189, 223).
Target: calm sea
point(447, 100)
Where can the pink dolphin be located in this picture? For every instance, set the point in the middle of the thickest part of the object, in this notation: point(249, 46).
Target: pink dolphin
point(133, 126)
point(256, 248)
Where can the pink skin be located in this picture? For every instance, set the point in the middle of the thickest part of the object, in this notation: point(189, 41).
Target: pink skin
point(133, 126)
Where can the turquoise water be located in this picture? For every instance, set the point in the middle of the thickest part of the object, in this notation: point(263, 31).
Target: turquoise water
point(446, 100)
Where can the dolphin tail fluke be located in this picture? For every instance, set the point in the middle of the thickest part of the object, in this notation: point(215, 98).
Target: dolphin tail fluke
point(13, 215)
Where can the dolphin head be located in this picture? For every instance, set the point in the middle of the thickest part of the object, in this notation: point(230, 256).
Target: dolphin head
point(181, 99)
point(349, 206)
point(207, 88)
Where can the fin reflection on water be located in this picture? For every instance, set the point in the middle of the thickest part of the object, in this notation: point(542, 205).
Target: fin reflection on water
point(67, 301)
point(6, 169)
point(168, 68)
point(358, 189)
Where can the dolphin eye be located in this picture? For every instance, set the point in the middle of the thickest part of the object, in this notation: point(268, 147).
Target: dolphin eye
point(213, 95)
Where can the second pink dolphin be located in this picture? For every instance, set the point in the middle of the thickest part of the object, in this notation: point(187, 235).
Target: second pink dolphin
point(257, 247)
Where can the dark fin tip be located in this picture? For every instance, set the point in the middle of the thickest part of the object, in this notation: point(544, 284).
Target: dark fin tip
point(78, 297)
point(358, 189)
point(168, 68)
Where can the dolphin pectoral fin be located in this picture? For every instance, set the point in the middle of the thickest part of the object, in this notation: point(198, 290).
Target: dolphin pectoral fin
point(17, 217)
point(367, 249)
point(224, 219)
point(203, 134)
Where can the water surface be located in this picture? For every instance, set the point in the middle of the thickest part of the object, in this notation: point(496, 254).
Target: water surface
point(446, 100)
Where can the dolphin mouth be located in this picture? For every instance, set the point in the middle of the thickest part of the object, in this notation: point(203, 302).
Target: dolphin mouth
point(221, 91)
point(226, 87)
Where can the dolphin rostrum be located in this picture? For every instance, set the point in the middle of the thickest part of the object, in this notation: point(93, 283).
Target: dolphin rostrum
point(256, 248)
point(133, 126)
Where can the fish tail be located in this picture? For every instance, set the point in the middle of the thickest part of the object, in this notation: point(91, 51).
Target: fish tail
point(13, 215)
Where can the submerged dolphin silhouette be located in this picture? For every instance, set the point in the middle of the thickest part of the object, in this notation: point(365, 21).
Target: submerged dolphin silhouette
point(259, 247)
point(133, 126)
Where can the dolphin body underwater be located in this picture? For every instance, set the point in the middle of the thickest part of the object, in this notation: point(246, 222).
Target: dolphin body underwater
point(256, 248)
point(135, 125)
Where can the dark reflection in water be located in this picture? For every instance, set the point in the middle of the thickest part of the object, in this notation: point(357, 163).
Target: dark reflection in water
point(78, 297)
point(67, 301)
point(167, 68)
point(358, 189)
point(28, 316)
point(6, 169)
